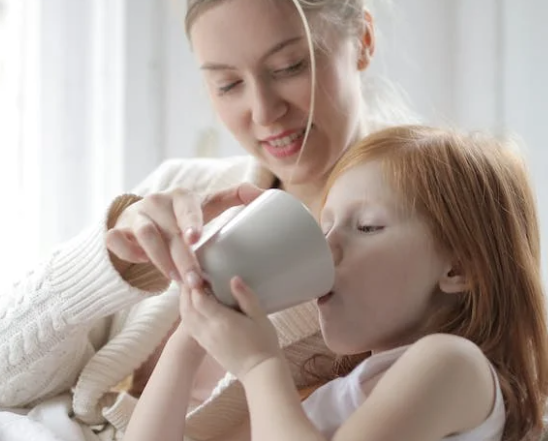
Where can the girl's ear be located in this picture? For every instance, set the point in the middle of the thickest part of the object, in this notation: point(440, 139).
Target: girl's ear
point(367, 42)
point(454, 281)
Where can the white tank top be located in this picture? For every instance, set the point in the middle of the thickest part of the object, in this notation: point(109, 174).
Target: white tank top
point(332, 404)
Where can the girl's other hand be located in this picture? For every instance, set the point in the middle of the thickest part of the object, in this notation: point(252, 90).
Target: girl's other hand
point(238, 341)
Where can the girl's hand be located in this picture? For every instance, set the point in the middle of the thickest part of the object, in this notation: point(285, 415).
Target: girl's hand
point(162, 227)
point(239, 341)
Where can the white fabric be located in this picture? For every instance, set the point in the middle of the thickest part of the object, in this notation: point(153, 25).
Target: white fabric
point(333, 403)
point(72, 329)
point(49, 421)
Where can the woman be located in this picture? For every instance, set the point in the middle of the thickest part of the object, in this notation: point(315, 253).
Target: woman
point(89, 317)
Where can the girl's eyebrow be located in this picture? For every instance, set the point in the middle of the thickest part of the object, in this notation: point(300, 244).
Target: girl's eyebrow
point(273, 50)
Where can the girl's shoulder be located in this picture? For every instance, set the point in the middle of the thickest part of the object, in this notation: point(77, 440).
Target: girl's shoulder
point(443, 348)
point(444, 353)
point(442, 375)
point(475, 386)
point(451, 371)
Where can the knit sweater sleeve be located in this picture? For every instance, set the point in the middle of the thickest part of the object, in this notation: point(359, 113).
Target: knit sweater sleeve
point(47, 317)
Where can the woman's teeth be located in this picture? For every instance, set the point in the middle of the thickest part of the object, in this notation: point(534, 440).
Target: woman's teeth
point(286, 140)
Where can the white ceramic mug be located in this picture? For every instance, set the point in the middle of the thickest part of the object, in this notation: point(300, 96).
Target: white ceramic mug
point(275, 245)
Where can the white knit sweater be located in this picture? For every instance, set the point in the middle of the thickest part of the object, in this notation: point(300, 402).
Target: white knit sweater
point(75, 326)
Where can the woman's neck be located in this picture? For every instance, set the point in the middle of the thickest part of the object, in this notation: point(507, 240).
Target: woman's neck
point(309, 194)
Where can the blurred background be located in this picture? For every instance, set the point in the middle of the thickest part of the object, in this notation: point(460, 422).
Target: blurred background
point(94, 94)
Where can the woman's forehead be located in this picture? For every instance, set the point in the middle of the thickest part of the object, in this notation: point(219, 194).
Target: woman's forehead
point(237, 31)
point(256, 25)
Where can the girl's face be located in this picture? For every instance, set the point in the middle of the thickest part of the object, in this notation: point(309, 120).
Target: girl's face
point(255, 59)
point(388, 267)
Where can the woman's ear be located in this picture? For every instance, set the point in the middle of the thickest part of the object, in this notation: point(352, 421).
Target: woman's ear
point(367, 42)
point(454, 281)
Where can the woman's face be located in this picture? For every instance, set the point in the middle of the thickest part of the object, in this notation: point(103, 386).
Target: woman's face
point(255, 59)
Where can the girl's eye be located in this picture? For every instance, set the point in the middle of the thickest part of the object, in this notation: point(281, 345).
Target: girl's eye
point(370, 228)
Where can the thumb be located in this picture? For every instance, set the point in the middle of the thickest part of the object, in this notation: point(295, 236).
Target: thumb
point(246, 298)
point(216, 203)
point(247, 193)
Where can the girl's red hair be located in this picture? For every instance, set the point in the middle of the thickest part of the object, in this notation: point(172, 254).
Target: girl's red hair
point(474, 192)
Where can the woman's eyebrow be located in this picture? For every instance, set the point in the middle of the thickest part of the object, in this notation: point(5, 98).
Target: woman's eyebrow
point(273, 50)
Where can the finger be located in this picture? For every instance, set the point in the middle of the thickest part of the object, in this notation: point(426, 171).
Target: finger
point(124, 246)
point(191, 320)
point(153, 244)
point(246, 298)
point(242, 194)
point(247, 192)
point(184, 297)
point(208, 305)
point(185, 261)
point(161, 209)
point(188, 215)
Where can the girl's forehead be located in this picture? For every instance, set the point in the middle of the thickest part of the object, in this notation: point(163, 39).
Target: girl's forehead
point(366, 183)
point(363, 178)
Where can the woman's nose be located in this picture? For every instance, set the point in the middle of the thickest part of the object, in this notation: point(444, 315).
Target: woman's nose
point(267, 105)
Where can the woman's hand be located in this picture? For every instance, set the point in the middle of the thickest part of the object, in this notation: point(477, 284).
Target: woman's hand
point(239, 341)
point(161, 229)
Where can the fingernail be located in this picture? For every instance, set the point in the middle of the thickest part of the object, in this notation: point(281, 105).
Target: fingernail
point(193, 280)
point(189, 234)
point(240, 284)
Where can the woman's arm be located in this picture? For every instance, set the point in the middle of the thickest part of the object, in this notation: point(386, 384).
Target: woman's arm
point(46, 318)
point(162, 408)
point(442, 385)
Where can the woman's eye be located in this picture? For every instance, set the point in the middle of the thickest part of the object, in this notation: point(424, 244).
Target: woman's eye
point(227, 88)
point(290, 70)
point(370, 228)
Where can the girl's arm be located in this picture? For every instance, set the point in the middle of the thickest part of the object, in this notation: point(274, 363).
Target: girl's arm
point(275, 409)
point(442, 385)
point(161, 410)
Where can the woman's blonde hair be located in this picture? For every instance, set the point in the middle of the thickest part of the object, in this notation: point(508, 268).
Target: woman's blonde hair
point(475, 193)
point(386, 104)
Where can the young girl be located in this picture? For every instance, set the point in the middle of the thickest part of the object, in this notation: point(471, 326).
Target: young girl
point(435, 239)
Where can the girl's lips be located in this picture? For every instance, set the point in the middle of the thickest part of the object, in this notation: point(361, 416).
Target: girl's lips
point(325, 298)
